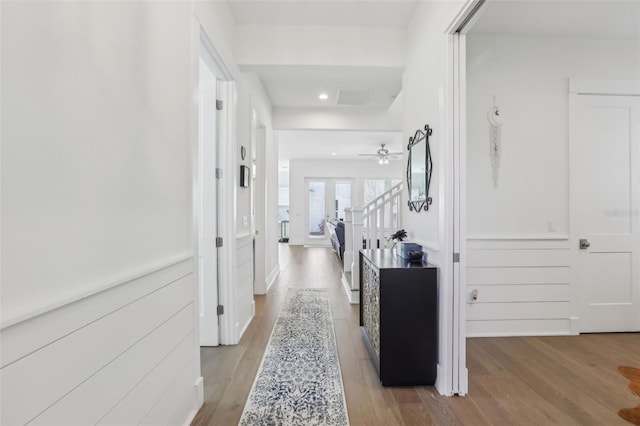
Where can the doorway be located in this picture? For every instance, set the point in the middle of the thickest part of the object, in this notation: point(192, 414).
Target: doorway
point(326, 200)
point(258, 204)
point(206, 203)
point(605, 204)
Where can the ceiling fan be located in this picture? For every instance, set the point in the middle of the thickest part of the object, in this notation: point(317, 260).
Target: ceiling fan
point(383, 155)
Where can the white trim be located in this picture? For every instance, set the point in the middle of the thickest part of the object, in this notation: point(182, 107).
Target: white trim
point(215, 62)
point(575, 325)
point(27, 337)
point(581, 86)
point(352, 295)
point(125, 279)
point(226, 185)
point(273, 275)
point(460, 242)
point(533, 237)
point(530, 334)
point(453, 206)
point(467, 16)
point(199, 389)
point(441, 383)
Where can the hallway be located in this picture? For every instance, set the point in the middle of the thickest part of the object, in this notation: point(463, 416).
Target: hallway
point(517, 380)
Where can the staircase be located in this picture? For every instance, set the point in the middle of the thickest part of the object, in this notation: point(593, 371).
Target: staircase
point(371, 226)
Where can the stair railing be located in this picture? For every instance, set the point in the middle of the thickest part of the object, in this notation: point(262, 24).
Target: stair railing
point(369, 227)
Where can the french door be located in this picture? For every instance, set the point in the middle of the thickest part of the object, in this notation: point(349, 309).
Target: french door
point(326, 199)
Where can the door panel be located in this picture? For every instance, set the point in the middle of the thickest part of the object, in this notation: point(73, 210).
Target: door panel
point(205, 195)
point(604, 210)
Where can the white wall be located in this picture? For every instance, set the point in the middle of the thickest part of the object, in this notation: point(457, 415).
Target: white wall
point(423, 88)
point(98, 296)
point(529, 77)
point(359, 170)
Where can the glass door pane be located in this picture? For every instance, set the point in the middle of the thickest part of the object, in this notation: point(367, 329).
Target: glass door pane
point(343, 199)
point(316, 209)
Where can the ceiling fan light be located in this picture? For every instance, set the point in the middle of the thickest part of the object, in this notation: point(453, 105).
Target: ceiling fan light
point(380, 160)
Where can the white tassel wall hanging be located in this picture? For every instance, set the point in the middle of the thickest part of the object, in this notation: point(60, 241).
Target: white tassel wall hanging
point(495, 141)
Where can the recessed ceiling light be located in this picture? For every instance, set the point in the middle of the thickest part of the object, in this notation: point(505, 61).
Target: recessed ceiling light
point(333, 153)
point(323, 96)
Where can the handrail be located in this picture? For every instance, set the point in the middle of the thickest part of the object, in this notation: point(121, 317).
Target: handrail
point(395, 188)
point(381, 217)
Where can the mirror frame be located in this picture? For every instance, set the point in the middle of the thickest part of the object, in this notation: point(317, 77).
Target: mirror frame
point(419, 136)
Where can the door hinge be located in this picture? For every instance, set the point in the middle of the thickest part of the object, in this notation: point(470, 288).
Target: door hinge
point(456, 257)
point(220, 309)
point(218, 173)
point(219, 241)
point(219, 104)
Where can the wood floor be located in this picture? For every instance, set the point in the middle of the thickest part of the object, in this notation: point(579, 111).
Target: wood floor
point(512, 381)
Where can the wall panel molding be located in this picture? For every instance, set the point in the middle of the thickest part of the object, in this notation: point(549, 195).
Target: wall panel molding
point(522, 286)
point(26, 336)
point(95, 352)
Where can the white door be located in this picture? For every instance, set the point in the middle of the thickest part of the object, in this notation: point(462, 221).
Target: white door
point(605, 215)
point(206, 208)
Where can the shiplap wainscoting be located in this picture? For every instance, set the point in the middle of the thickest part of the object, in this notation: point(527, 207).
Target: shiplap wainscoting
point(245, 307)
point(522, 286)
point(128, 354)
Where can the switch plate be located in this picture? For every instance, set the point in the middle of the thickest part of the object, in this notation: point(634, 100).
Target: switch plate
point(245, 222)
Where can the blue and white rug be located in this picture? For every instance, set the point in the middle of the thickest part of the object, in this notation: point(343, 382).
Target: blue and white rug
point(299, 381)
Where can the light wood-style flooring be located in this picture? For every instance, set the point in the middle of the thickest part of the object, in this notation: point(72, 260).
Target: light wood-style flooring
point(569, 380)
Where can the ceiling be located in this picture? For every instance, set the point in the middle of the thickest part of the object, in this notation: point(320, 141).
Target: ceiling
point(366, 13)
point(321, 144)
point(560, 18)
point(300, 85)
point(296, 85)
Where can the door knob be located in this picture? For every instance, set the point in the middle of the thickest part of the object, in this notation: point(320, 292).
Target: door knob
point(584, 244)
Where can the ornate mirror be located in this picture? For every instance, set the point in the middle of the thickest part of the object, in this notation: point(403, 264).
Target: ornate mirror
point(419, 170)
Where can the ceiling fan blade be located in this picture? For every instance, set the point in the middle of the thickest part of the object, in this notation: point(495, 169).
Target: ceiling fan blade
point(368, 155)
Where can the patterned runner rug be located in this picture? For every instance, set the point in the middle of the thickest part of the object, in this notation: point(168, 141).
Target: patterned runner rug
point(299, 381)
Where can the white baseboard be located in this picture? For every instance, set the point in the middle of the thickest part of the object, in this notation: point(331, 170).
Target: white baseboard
point(271, 278)
point(441, 384)
point(527, 334)
point(200, 390)
point(464, 382)
point(240, 333)
point(352, 295)
point(575, 325)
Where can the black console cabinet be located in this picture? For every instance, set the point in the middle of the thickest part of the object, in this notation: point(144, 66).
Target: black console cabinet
point(398, 317)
